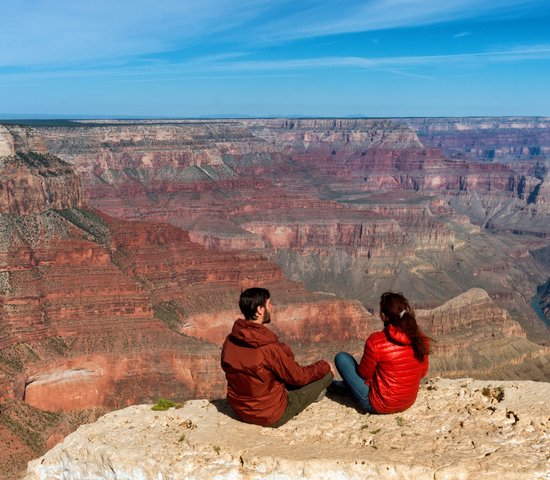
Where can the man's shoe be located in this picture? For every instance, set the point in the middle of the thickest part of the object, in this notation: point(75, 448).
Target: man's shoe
point(338, 387)
point(321, 395)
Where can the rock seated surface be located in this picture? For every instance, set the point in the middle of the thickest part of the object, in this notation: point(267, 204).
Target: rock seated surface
point(457, 429)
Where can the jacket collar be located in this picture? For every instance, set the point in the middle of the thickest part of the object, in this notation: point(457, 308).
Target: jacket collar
point(252, 334)
point(396, 335)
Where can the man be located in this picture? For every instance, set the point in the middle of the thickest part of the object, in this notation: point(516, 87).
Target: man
point(263, 379)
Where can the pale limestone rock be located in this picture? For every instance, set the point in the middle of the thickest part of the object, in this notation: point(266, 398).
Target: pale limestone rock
point(7, 145)
point(458, 429)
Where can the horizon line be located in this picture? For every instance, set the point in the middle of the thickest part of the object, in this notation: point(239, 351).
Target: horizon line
point(13, 117)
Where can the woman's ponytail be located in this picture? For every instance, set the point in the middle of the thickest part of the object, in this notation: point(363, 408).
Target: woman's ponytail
point(399, 313)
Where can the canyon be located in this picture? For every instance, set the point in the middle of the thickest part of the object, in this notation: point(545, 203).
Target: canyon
point(336, 203)
point(124, 246)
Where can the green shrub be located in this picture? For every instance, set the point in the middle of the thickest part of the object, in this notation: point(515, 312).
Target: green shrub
point(164, 404)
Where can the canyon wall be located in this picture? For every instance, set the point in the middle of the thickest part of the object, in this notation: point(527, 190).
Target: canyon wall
point(509, 139)
point(32, 182)
point(334, 202)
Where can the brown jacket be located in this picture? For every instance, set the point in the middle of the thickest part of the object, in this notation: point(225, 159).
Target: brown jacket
point(257, 367)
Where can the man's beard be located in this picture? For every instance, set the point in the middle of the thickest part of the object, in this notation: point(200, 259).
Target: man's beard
point(267, 317)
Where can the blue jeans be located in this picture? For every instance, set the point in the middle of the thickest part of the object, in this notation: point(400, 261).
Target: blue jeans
point(347, 368)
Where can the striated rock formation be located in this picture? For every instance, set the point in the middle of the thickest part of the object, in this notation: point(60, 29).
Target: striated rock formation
point(7, 146)
point(456, 429)
point(32, 182)
point(486, 138)
point(134, 288)
point(276, 187)
point(299, 135)
point(463, 314)
point(335, 202)
point(521, 143)
point(17, 139)
point(475, 337)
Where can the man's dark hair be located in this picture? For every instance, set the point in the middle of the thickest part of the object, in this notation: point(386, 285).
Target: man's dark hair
point(251, 299)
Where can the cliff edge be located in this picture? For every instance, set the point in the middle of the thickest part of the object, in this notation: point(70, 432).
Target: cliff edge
point(458, 429)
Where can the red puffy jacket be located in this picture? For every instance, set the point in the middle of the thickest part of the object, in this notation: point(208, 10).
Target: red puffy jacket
point(257, 367)
point(391, 370)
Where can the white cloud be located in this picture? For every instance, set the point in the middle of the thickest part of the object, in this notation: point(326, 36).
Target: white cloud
point(513, 54)
point(336, 17)
point(232, 65)
point(40, 32)
point(63, 32)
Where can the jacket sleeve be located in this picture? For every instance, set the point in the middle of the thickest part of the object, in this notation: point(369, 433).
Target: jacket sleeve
point(287, 350)
point(285, 367)
point(368, 362)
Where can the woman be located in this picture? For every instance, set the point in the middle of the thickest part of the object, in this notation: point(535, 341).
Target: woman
point(394, 361)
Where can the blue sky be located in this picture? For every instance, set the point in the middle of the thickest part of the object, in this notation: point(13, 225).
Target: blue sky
point(186, 58)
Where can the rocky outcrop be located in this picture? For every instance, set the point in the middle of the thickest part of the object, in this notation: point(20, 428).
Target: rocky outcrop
point(456, 429)
point(7, 144)
point(32, 183)
point(18, 139)
point(21, 421)
point(473, 336)
point(463, 314)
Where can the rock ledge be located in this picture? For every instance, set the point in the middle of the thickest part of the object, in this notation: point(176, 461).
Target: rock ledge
point(458, 429)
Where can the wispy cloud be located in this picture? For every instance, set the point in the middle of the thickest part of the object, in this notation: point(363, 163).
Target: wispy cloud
point(335, 17)
point(462, 34)
point(515, 54)
point(62, 32)
point(65, 31)
point(232, 65)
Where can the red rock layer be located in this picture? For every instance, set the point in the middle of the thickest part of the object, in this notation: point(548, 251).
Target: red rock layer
point(33, 182)
point(344, 189)
point(200, 287)
point(464, 315)
point(73, 288)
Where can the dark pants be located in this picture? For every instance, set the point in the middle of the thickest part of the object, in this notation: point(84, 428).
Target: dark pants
point(300, 398)
point(347, 368)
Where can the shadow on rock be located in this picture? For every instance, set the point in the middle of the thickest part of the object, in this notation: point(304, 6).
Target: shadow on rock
point(345, 400)
point(223, 407)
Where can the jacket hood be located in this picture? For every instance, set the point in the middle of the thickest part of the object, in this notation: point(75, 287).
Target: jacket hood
point(397, 335)
point(252, 334)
